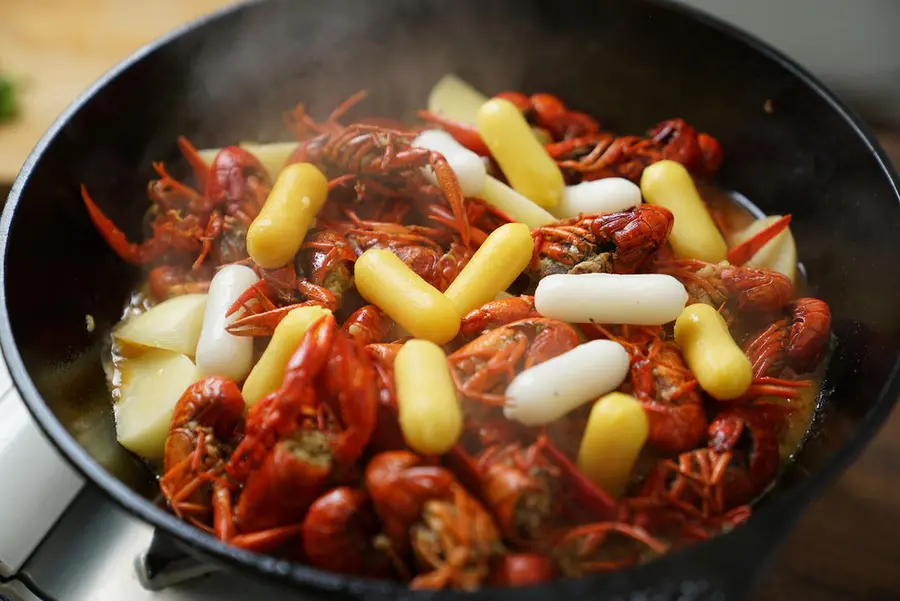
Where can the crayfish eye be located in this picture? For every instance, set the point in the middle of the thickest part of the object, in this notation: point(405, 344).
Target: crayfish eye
point(670, 478)
point(607, 246)
point(521, 284)
point(743, 449)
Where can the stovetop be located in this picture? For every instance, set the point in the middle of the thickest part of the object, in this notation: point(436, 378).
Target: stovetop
point(95, 552)
point(63, 540)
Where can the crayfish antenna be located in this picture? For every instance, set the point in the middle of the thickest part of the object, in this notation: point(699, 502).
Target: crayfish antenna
point(587, 491)
point(463, 133)
point(744, 251)
point(342, 109)
point(767, 386)
point(464, 466)
point(601, 528)
point(341, 180)
point(198, 165)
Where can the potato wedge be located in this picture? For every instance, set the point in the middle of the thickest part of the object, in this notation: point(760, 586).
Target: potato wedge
point(173, 325)
point(454, 98)
point(780, 253)
point(272, 155)
point(151, 385)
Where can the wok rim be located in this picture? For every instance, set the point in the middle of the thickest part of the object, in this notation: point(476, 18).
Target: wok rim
point(299, 575)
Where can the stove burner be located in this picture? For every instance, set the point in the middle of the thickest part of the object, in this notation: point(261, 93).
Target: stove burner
point(164, 564)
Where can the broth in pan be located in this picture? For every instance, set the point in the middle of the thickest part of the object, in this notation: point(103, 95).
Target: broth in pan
point(498, 346)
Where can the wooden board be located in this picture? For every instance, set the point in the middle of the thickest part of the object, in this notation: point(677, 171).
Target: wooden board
point(61, 47)
point(845, 546)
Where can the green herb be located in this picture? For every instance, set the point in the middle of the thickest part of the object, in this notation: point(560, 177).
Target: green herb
point(8, 102)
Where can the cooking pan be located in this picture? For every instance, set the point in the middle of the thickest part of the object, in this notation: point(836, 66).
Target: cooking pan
point(790, 147)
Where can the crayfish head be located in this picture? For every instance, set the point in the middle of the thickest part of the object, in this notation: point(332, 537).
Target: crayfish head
point(603, 262)
point(520, 498)
point(750, 434)
point(327, 260)
point(310, 446)
point(534, 508)
point(457, 539)
point(230, 172)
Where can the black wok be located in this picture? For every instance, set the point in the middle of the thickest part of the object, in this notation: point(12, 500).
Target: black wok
point(632, 63)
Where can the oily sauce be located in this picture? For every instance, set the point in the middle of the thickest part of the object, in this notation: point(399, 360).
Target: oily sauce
point(733, 212)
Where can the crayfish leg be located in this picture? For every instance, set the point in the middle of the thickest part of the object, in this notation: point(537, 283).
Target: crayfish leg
point(341, 109)
point(261, 324)
point(768, 386)
point(265, 541)
point(211, 232)
point(223, 514)
point(588, 493)
point(449, 183)
point(114, 237)
point(254, 300)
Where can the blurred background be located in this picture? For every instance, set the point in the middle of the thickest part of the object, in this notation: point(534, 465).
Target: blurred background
point(852, 45)
point(51, 50)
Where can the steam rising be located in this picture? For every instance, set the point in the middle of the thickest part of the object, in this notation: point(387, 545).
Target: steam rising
point(251, 66)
